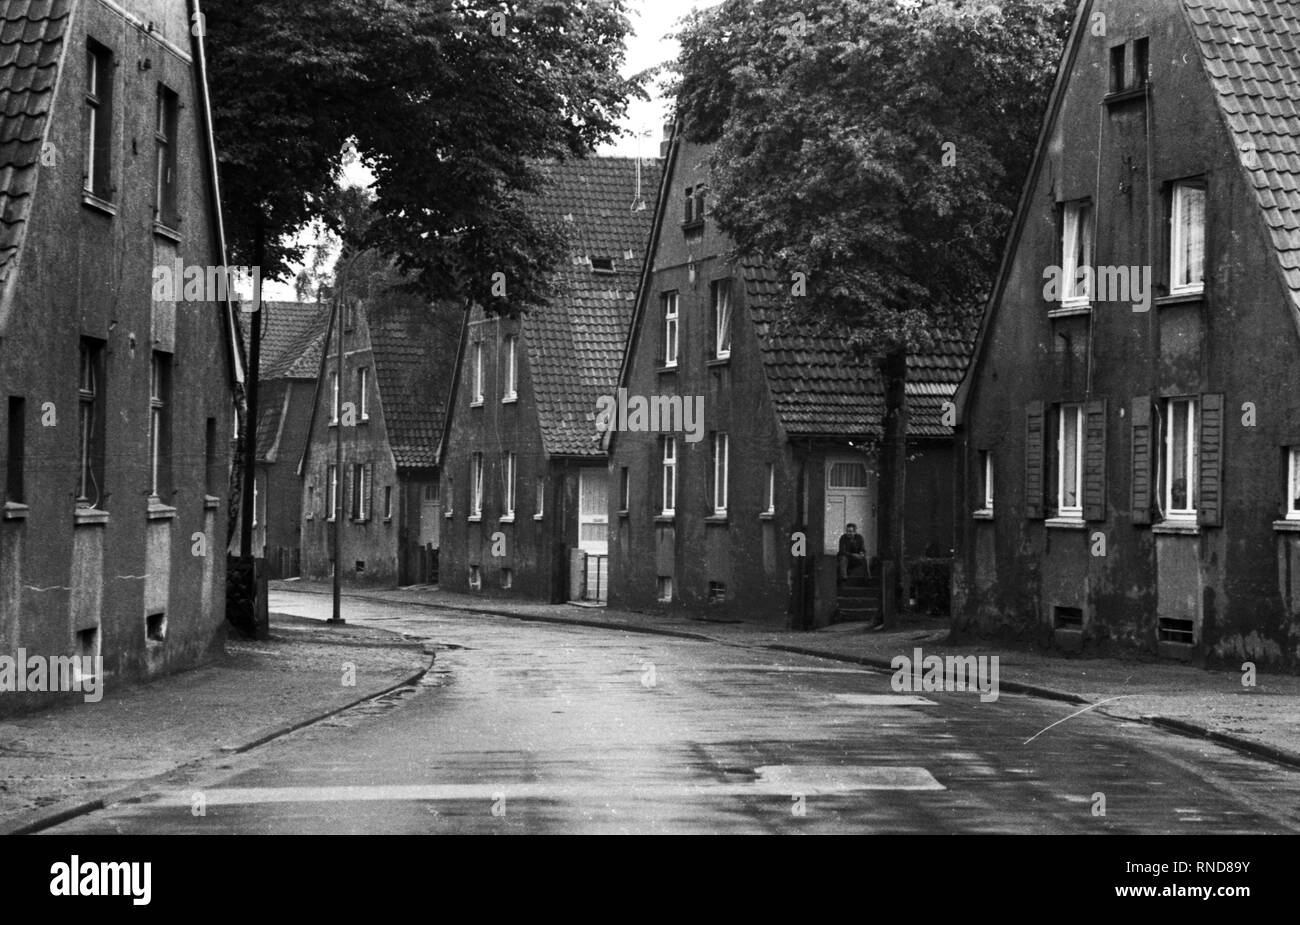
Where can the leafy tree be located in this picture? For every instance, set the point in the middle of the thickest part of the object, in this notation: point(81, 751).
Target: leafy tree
point(878, 147)
point(449, 102)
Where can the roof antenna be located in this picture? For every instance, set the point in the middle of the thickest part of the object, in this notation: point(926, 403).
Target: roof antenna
point(638, 203)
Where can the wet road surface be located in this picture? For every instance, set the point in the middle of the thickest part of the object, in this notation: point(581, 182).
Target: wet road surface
point(542, 728)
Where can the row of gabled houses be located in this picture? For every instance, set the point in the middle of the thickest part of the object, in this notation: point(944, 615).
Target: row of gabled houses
point(1123, 473)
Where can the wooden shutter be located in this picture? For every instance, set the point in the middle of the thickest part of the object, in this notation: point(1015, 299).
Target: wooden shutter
point(1209, 503)
point(1094, 460)
point(1034, 440)
point(1144, 444)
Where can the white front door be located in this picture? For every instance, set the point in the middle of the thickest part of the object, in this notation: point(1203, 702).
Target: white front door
point(593, 511)
point(850, 499)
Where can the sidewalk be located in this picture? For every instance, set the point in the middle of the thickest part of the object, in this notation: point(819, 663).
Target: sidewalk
point(63, 761)
point(1263, 720)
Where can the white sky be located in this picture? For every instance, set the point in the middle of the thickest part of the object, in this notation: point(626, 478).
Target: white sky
point(647, 46)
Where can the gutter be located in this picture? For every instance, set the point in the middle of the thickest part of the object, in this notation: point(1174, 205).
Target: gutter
point(201, 69)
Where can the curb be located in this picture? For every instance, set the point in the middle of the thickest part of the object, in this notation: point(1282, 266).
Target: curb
point(1254, 749)
point(40, 820)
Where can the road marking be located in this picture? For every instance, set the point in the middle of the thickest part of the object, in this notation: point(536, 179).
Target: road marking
point(772, 779)
point(885, 700)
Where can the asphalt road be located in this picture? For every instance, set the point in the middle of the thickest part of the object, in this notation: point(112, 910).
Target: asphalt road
point(543, 728)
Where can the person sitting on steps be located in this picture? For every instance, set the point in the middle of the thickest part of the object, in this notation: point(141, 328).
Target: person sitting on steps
point(853, 552)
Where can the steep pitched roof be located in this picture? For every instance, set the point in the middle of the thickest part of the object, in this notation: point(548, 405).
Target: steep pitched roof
point(292, 336)
point(819, 387)
point(575, 344)
point(1251, 51)
point(413, 345)
point(31, 43)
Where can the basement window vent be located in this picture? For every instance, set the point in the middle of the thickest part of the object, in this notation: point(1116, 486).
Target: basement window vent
point(602, 264)
point(475, 579)
point(717, 592)
point(507, 579)
point(1068, 618)
point(665, 589)
point(1183, 631)
point(155, 627)
point(361, 567)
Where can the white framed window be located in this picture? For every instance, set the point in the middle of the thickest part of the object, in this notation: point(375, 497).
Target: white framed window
point(624, 490)
point(99, 116)
point(1178, 463)
point(363, 390)
point(449, 496)
point(90, 424)
point(670, 328)
point(1293, 483)
point(1069, 462)
point(508, 486)
point(721, 472)
point(669, 476)
point(540, 498)
point(360, 492)
point(476, 486)
point(165, 152)
point(310, 513)
point(331, 491)
point(722, 318)
point(159, 412)
point(1187, 238)
point(986, 481)
point(476, 398)
point(388, 502)
point(334, 398)
point(257, 497)
point(770, 507)
point(509, 388)
point(1076, 254)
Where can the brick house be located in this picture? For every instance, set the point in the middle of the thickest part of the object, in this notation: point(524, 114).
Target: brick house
point(293, 335)
point(116, 405)
point(1130, 439)
point(525, 475)
point(387, 407)
point(789, 416)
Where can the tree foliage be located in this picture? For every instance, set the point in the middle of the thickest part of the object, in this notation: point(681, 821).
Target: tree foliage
point(449, 102)
point(878, 146)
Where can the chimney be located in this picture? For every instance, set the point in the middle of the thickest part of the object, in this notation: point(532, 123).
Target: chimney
point(668, 137)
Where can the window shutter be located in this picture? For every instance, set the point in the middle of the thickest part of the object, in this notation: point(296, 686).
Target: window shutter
point(1209, 503)
point(1034, 460)
point(1143, 447)
point(1094, 460)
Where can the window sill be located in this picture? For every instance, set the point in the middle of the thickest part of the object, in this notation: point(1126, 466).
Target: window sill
point(693, 225)
point(506, 519)
point(448, 515)
point(90, 200)
point(510, 400)
point(1125, 96)
point(388, 520)
point(622, 514)
point(364, 419)
point(89, 515)
point(166, 231)
point(665, 518)
point(333, 423)
point(160, 511)
point(1066, 309)
point(984, 513)
point(716, 519)
point(538, 516)
point(662, 370)
point(211, 502)
point(1065, 523)
point(1180, 298)
point(474, 518)
point(719, 361)
point(476, 404)
point(1177, 527)
point(1287, 526)
point(15, 511)
point(767, 515)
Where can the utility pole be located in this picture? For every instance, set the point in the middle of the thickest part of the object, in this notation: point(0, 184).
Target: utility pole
point(335, 617)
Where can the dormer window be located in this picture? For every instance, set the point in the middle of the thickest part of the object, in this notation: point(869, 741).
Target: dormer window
point(602, 264)
point(694, 211)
